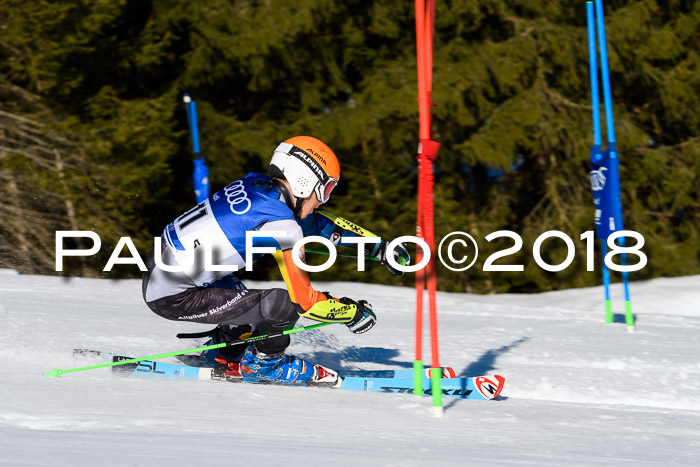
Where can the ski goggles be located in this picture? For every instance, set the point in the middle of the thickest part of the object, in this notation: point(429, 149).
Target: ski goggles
point(323, 190)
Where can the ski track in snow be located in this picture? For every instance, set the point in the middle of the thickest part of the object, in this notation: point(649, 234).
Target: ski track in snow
point(578, 391)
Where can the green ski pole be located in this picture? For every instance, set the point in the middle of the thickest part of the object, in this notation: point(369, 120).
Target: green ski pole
point(346, 255)
point(58, 372)
point(401, 261)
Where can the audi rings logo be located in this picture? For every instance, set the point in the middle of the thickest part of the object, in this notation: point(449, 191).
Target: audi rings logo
point(235, 195)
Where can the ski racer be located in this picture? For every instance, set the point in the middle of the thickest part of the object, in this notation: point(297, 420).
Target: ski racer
point(302, 175)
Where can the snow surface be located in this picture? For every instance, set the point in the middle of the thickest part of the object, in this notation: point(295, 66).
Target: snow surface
point(578, 391)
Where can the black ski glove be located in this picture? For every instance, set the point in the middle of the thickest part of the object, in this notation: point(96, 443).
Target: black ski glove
point(400, 253)
point(364, 319)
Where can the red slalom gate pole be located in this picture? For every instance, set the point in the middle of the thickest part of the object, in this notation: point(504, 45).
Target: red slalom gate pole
point(420, 287)
point(427, 151)
point(420, 275)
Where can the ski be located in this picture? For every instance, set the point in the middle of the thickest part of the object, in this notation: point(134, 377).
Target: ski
point(447, 372)
point(197, 361)
point(480, 387)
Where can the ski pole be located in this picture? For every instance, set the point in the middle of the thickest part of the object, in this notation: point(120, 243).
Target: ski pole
point(346, 255)
point(401, 261)
point(58, 372)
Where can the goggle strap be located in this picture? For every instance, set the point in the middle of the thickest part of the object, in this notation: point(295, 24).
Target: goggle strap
point(324, 179)
point(295, 151)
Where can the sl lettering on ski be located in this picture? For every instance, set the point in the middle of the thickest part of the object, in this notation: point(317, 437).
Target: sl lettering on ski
point(142, 366)
point(149, 367)
point(235, 195)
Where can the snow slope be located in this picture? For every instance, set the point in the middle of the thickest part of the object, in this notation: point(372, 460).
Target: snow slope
point(578, 391)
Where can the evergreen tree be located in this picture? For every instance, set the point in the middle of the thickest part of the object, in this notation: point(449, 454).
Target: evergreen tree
point(512, 113)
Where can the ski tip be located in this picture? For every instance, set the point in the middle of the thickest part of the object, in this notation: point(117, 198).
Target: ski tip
point(490, 386)
point(501, 382)
point(54, 372)
point(86, 352)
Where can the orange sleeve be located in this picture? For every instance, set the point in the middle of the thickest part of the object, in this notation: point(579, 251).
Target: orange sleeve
point(297, 281)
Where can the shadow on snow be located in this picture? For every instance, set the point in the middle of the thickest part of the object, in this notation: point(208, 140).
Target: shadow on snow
point(487, 361)
point(620, 318)
point(342, 360)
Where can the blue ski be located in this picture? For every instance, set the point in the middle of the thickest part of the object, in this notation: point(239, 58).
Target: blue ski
point(480, 387)
point(199, 362)
point(447, 372)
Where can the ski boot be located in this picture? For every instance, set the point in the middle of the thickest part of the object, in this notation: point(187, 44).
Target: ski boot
point(225, 333)
point(278, 368)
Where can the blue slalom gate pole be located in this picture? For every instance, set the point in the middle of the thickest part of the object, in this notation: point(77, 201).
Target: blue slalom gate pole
point(605, 174)
point(593, 60)
point(606, 284)
point(612, 148)
point(200, 175)
point(596, 150)
point(605, 73)
point(629, 316)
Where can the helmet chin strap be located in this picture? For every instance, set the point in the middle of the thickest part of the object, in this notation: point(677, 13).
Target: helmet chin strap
point(293, 202)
